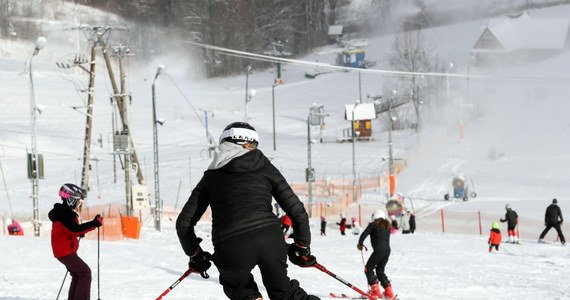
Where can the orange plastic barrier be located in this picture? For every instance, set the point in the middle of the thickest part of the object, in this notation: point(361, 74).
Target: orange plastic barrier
point(131, 227)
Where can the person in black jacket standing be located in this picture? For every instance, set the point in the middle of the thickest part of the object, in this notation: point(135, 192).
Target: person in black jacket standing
point(379, 231)
point(238, 186)
point(553, 218)
point(512, 220)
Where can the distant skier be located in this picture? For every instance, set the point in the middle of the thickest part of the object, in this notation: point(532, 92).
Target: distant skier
point(285, 224)
point(379, 231)
point(355, 226)
point(14, 228)
point(512, 220)
point(405, 223)
point(412, 222)
point(323, 226)
point(494, 237)
point(238, 187)
point(553, 218)
point(342, 224)
point(65, 233)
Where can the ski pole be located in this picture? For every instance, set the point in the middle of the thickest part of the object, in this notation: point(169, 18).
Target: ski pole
point(348, 284)
point(188, 272)
point(66, 272)
point(98, 277)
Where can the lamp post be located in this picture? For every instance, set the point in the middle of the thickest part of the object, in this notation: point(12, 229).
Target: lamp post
point(157, 202)
point(447, 81)
point(248, 93)
point(310, 173)
point(354, 197)
point(40, 44)
point(209, 139)
point(273, 109)
point(390, 153)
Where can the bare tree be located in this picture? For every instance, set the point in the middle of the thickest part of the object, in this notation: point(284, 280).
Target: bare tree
point(411, 53)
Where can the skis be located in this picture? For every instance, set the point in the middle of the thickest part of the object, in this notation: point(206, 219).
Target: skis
point(345, 296)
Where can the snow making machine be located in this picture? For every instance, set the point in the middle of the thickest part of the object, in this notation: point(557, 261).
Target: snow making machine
point(463, 188)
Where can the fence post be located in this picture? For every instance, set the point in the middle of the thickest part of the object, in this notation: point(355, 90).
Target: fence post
point(480, 228)
point(442, 222)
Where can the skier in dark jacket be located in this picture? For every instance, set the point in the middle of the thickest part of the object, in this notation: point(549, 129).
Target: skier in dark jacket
point(512, 220)
point(553, 218)
point(238, 186)
point(379, 231)
point(65, 233)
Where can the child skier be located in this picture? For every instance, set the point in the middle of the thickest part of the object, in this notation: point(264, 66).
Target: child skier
point(342, 224)
point(379, 231)
point(511, 218)
point(65, 232)
point(355, 226)
point(495, 237)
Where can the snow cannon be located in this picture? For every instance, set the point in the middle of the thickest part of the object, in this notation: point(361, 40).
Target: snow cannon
point(461, 188)
point(393, 207)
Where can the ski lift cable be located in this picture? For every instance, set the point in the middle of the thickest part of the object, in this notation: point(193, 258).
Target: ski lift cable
point(198, 116)
point(261, 57)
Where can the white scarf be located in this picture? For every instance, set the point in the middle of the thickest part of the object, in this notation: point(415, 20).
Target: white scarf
point(228, 151)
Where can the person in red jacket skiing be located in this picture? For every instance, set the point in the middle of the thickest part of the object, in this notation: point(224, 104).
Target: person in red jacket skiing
point(495, 237)
point(65, 234)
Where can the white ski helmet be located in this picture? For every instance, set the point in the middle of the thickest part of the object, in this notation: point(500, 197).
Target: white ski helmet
point(379, 214)
point(507, 206)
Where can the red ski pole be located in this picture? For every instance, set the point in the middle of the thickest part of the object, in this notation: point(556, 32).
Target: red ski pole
point(348, 284)
point(188, 272)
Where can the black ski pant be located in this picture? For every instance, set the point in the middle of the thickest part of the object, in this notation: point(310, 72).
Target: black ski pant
point(80, 288)
point(265, 248)
point(377, 263)
point(558, 230)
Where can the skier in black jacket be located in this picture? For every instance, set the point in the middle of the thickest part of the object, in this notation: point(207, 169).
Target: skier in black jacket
point(553, 218)
point(238, 186)
point(512, 220)
point(379, 231)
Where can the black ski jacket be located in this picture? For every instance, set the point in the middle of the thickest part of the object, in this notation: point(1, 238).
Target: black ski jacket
point(240, 195)
point(553, 215)
point(511, 218)
point(379, 238)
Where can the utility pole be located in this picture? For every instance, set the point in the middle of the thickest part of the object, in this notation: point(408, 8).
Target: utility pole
point(310, 174)
point(34, 166)
point(157, 202)
point(390, 153)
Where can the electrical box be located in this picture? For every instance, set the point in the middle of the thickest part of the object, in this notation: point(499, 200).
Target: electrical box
point(141, 200)
point(310, 175)
point(32, 166)
point(121, 142)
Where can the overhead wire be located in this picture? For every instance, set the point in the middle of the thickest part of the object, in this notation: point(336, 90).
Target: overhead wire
point(262, 57)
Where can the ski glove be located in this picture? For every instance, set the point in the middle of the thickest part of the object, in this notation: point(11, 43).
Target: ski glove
point(98, 221)
point(301, 256)
point(200, 261)
point(360, 247)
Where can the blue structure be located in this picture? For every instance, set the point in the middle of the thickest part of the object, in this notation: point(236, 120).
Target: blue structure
point(354, 58)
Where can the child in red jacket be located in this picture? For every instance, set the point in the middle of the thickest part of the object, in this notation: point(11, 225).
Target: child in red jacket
point(495, 237)
point(65, 233)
